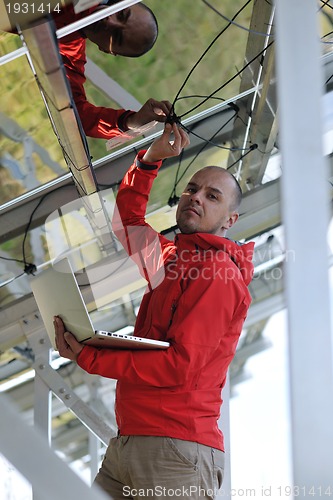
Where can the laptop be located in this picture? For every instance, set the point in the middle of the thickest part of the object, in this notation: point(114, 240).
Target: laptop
point(57, 294)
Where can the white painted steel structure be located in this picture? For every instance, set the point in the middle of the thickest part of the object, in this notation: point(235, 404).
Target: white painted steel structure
point(305, 205)
point(304, 198)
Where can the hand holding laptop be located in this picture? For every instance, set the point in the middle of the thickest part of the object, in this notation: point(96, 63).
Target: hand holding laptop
point(64, 297)
point(67, 345)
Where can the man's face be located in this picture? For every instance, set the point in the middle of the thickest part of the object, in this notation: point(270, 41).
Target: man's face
point(125, 30)
point(205, 205)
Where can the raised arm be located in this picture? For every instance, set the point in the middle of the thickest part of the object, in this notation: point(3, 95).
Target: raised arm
point(98, 121)
point(147, 247)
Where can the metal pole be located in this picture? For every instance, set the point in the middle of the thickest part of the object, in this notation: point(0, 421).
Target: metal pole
point(93, 18)
point(28, 451)
point(305, 210)
point(224, 424)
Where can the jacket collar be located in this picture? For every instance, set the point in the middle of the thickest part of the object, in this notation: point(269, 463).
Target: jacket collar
point(240, 254)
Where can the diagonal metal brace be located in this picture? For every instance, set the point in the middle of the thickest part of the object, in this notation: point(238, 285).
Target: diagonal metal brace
point(73, 402)
point(35, 332)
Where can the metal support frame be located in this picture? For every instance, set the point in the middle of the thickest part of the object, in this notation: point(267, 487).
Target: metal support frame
point(305, 207)
point(56, 480)
point(49, 72)
point(42, 394)
point(110, 87)
point(224, 423)
point(94, 17)
point(94, 442)
point(55, 383)
point(47, 380)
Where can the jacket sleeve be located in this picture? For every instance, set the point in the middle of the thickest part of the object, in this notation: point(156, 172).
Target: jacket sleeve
point(97, 121)
point(209, 316)
point(146, 247)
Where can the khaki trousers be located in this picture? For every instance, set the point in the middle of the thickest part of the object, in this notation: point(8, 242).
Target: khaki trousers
point(160, 467)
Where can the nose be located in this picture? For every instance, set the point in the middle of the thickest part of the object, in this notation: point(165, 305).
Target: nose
point(196, 197)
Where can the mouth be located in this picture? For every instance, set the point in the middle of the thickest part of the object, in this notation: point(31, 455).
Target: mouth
point(192, 210)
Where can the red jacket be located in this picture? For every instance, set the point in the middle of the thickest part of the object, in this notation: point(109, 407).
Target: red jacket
point(197, 299)
point(97, 121)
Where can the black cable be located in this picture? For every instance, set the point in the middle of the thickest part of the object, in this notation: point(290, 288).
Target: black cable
point(205, 52)
point(75, 167)
point(235, 24)
point(199, 96)
point(68, 159)
point(66, 155)
point(230, 79)
point(325, 4)
point(13, 260)
point(252, 148)
point(31, 268)
point(328, 79)
point(327, 34)
point(208, 141)
point(13, 279)
point(172, 228)
point(173, 199)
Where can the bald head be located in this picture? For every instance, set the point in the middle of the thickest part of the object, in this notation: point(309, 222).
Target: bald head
point(131, 32)
point(209, 202)
point(237, 190)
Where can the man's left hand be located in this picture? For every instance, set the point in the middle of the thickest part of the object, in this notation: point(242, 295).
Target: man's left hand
point(151, 111)
point(66, 343)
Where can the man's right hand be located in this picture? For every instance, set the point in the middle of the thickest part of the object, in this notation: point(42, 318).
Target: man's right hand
point(163, 148)
point(66, 343)
point(151, 111)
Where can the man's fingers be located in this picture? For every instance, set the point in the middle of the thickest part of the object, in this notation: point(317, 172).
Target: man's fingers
point(159, 118)
point(73, 343)
point(177, 142)
point(166, 132)
point(59, 329)
point(67, 345)
point(58, 324)
point(160, 108)
point(185, 138)
point(181, 138)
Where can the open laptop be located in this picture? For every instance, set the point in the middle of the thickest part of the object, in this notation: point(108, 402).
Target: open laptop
point(57, 294)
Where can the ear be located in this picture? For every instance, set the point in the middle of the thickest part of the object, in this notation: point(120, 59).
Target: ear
point(231, 221)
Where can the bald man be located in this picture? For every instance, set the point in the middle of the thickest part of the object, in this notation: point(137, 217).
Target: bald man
point(168, 402)
point(130, 32)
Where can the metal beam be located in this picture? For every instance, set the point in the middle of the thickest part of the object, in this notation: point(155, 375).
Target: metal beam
point(110, 87)
point(110, 170)
point(54, 481)
point(305, 204)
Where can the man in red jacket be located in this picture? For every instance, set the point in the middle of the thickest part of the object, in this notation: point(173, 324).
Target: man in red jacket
point(168, 402)
point(130, 32)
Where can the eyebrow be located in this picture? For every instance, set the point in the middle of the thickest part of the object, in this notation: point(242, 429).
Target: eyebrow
point(126, 16)
point(216, 190)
